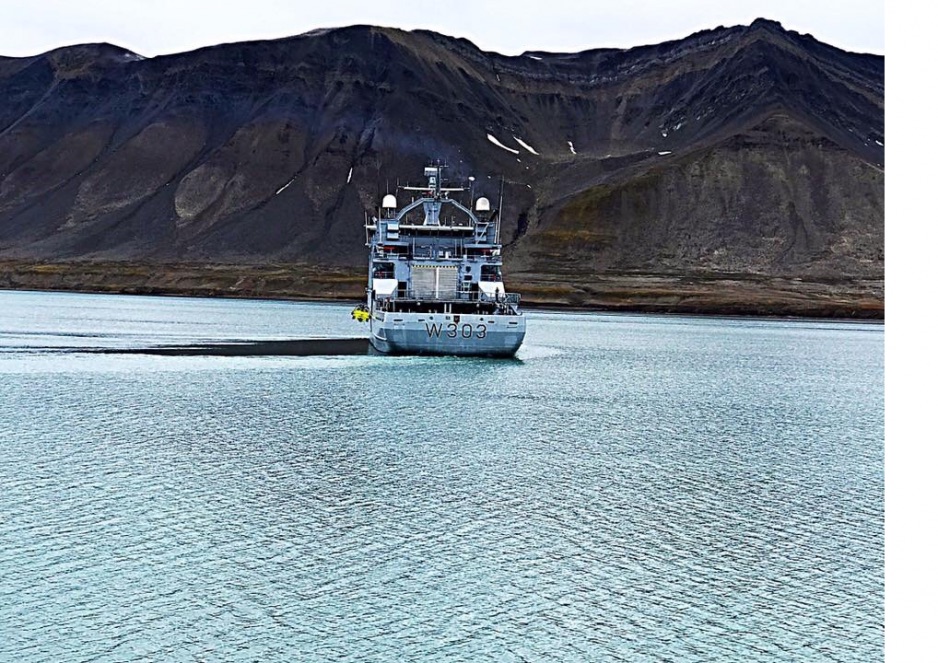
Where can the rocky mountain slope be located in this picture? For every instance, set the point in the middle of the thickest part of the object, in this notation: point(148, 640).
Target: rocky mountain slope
point(749, 150)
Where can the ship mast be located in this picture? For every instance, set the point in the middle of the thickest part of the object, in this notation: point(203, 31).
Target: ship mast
point(498, 219)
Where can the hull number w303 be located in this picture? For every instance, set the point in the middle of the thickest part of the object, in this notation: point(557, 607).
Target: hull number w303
point(453, 330)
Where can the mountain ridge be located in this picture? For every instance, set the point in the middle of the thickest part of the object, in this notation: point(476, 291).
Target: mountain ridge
point(737, 145)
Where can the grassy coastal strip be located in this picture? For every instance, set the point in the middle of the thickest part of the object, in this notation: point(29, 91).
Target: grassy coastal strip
point(191, 279)
point(716, 294)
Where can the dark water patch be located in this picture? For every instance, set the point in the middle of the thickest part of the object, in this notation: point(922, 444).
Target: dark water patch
point(311, 347)
point(314, 347)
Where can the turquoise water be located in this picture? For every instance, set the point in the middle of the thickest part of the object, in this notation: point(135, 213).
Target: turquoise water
point(633, 487)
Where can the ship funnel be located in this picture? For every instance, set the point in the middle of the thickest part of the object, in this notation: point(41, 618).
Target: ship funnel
point(389, 202)
point(482, 205)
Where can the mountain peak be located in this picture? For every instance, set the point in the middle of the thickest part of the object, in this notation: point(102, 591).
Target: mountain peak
point(100, 51)
point(767, 24)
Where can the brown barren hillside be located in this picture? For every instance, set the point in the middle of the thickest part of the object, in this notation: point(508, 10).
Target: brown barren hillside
point(737, 170)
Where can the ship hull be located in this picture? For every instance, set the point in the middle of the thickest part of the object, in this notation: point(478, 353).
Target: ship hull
point(440, 334)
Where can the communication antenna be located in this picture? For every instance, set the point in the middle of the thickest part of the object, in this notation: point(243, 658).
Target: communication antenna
point(498, 220)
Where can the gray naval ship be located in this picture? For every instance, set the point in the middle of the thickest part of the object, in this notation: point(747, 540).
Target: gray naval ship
point(435, 276)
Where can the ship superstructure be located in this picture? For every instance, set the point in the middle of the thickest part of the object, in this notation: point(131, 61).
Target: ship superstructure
point(435, 275)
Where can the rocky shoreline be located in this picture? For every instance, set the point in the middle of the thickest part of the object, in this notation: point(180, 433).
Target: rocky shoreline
point(707, 293)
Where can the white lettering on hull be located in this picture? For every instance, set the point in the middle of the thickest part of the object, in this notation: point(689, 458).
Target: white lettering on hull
point(452, 330)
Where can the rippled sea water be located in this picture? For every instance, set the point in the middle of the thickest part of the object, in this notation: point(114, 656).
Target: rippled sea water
point(631, 488)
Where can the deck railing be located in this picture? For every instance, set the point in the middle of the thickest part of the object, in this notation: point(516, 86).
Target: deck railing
point(456, 296)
